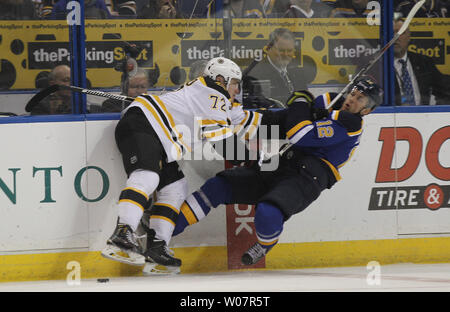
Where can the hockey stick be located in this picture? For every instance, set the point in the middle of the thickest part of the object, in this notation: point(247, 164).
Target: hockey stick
point(53, 88)
point(370, 64)
point(379, 54)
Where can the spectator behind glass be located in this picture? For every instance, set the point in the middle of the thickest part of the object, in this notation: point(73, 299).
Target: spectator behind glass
point(276, 76)
point(93, 9)
point(17, 10)
point(275, 8)
point(351, 8)
point(417, 75)
point(137, 85)
point(159, 9)
point(44, 8)
point(196, 8)
point(431, 8)
point(60, 101)
point(247, 9)
point(307, 9)
point(122, 8)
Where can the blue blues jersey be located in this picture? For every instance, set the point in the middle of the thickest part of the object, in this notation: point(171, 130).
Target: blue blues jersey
point(333, 139)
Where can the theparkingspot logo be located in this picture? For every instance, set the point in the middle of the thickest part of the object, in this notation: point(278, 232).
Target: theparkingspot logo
point(432, 196)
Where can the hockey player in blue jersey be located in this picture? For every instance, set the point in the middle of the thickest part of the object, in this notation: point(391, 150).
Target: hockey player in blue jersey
point(322, 142)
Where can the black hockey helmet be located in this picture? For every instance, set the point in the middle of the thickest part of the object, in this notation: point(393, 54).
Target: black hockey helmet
point(371, 89)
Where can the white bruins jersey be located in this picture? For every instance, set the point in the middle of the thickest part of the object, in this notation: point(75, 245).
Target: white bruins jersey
point(198, 110)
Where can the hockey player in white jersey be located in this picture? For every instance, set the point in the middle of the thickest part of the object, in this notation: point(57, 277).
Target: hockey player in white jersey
point(152, 134)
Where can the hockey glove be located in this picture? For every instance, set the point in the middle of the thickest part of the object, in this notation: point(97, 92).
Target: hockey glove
point(318, 113)
point(303, 95)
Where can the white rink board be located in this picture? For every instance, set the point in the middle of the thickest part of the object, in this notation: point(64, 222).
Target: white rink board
point(87, 148)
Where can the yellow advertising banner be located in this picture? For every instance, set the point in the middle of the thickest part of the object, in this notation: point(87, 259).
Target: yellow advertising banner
point(328, 49)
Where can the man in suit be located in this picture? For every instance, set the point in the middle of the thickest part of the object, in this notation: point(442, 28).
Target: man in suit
point(276, 76)
point(417, 77)
point(60, 101)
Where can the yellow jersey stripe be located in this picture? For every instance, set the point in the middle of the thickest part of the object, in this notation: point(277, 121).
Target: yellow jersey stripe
point(158, 119)
point(137, 191)
point(299, 126)
point(328, 98)
point(188, 214)
point(209, 122)
point(131, 202)
point(335, 115)
point(216, 133)
point(335, 171)
point(254, 126)
point(355, 133)
point(202, 80)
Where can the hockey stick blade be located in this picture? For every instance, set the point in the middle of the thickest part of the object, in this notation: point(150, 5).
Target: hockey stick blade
point(410, 16)
point(40, 96)
point(53, 88)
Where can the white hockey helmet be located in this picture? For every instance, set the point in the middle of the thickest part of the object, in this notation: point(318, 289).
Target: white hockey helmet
point(221, 66)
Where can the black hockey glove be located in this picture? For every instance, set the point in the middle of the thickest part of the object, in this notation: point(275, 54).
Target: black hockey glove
point(318, 113)
point(301, 95)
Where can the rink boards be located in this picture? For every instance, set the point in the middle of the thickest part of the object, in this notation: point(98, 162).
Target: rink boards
point(61, 176)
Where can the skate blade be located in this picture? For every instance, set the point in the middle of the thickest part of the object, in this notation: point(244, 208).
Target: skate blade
point(152, 268)
point(128, 257)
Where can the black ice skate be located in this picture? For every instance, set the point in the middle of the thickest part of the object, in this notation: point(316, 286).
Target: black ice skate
point(159, 259)
point(123, 247)
point(254, 254)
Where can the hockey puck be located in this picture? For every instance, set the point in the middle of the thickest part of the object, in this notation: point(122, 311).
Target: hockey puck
point(102, 280)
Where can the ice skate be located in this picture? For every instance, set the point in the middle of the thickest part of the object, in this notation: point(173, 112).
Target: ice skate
point(159, 259)
point(254, 254)
point(123, 247)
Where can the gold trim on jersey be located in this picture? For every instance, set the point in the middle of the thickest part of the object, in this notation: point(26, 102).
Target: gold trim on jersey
point(250, 123)
point(333, 169)
point(251, 130)
point(335, 114)
point(355, 133)
point(328, 97)
point(211, 122)
point(298, 127)
point(218, 134)
point(202, 80)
